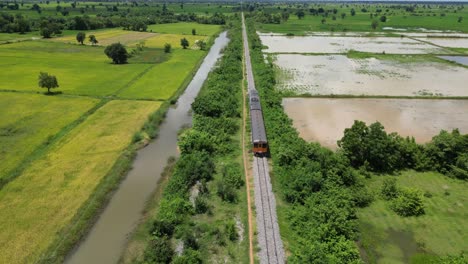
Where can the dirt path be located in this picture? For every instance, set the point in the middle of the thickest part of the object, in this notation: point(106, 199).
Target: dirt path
point(246, 170)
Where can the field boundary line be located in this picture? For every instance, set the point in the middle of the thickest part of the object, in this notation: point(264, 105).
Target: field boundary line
point(46, 145)
point(430, 43)
point(132, 81)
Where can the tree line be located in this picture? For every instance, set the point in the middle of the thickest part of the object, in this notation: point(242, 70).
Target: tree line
point(371, 148)
point(129, 20)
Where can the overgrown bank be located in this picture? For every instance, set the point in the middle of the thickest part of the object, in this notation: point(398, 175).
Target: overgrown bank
point(201, 216)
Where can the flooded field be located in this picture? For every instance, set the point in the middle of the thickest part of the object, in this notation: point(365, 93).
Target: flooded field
point(448, 42)
point(458, 59)
point(324, 120)
point(323, 44)
point(338, 74)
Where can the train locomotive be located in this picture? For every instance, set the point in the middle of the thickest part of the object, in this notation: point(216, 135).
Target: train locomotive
point(259, 139)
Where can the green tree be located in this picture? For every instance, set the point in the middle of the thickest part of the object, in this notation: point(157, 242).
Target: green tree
point(46, 32)
point(47, 81)
point(80, 37)
point(184, 43)
point(93, 39)
point(408, 203)
point(374, 24)
point(194, 31)
point(383, 19)
point(117, 53)
point(353, 12)
point(167, 48)
point(201, 44)
point(300, 14)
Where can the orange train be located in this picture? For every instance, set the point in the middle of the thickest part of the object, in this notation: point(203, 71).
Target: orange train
point(259, 139)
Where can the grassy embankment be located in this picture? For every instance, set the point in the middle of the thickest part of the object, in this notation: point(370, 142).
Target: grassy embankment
point(207, 226)
point(81, 155)
point(434, 18)
point(389, 238)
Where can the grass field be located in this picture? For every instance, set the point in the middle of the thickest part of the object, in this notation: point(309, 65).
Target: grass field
point(107, 36)
point(16, 36)
point(79, 69)
point(434, 19)
point(164, 79)
point(160, 40)
point(22, 123)
point(389, 238)
point(41, 201)
point(185, 28)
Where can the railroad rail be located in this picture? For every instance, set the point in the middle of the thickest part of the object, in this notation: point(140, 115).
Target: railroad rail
point(271, 246)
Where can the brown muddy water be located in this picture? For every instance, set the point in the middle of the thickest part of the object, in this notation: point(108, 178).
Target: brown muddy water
point(338, 74)
point(324, 120)
point(108, 237)
point(328, 44)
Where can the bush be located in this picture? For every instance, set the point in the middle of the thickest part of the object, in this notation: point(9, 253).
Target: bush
point(231, 230)
point(167, 48)
point(193, 140)
point(232, 175)
point(161, 228)
point(159, 250)
point(408, 203)
point(389, 189)
point(201, 205)
point(226, 192)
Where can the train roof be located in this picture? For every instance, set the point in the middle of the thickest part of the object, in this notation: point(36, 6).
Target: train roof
point(258, 127)
point(254, 100)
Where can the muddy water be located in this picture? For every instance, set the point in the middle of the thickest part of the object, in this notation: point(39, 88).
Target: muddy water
point(323, 44)
point(107, 238)
point(458, 59)
point(337, 74)
point(324, 120)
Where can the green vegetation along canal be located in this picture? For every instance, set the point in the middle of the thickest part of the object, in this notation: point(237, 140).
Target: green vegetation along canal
point(107, 238)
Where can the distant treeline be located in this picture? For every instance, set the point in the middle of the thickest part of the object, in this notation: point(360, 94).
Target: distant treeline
point(114, 16)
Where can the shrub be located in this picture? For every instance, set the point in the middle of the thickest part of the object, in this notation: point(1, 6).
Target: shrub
point(158, 250)
point(231, 230)
point(201, 205)
point(408, 203)
point(167, 48)
point(389, 189)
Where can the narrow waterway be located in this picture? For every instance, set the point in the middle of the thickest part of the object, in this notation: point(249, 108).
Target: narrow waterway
point(107, 238)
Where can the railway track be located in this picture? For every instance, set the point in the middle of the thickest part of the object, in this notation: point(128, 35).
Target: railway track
point(271, 246)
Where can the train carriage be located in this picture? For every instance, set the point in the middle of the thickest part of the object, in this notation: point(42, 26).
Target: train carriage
point(259, 140)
